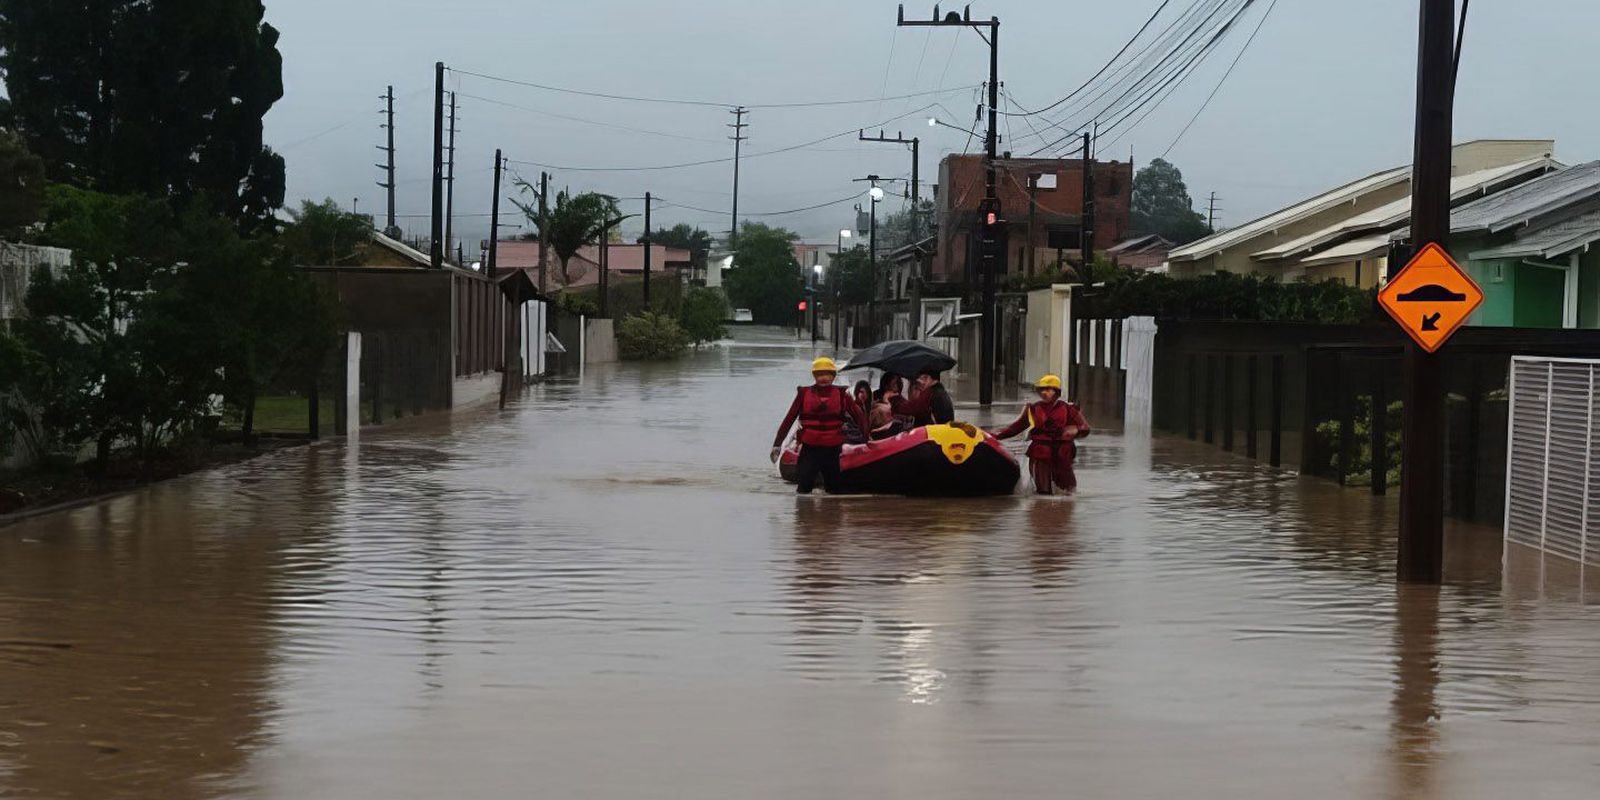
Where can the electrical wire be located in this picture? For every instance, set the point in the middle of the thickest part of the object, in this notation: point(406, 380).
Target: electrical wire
point(701, 103)
point(856, 196)
point(1259, 23)
point(724, 160)
point(645, 131)
point(1102, 70)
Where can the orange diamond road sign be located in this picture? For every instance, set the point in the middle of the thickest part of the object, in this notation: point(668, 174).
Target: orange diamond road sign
point(1431, 297)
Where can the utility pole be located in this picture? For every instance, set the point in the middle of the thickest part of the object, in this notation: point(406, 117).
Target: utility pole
point(1421, 551)
point(494, 218)
point(544, 229)
point(1086, 220)
point(390, 229)
point(450, 180)
point(875, 194)
point(916, 211)
point(646, 241)
point(738, 138)
point(437, 228)
point(1033, 208)
point(993, 254)
point(1211, 214)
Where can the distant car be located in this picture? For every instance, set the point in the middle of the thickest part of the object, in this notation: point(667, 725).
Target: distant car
point(743, 315)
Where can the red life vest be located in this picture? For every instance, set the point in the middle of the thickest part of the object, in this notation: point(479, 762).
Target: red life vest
point(822, 416)
point(1050, 421)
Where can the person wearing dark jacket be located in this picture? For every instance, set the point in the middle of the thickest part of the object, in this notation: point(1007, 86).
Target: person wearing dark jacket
point(1053, 426)
point(822, 410)
point(930, 404)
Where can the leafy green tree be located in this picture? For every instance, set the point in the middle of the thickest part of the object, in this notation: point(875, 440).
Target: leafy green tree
point(160, 99)
point(685, 237)
point(324, 235)
point(21, 185)
point(1161, 205)
point(850, 276)
point(902, 227)
point(765, 277)
point(573, 221)
point(702, 314)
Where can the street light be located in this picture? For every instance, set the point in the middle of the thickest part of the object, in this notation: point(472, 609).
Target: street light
point(833, 292)
point(876, 193)
point(935, 121)
point(816, 289)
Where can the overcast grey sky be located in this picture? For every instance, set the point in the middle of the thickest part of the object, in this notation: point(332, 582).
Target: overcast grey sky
point(1323, 95)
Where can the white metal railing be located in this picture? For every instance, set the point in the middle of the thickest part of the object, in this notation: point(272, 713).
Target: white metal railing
point(1552, 496)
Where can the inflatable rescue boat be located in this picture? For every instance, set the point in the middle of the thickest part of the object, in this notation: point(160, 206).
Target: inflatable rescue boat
point(940, 460)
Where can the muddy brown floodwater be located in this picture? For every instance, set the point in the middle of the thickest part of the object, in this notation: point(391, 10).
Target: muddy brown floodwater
point(605, 592)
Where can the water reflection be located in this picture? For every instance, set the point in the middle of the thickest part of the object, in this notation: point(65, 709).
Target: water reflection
point(603, 591)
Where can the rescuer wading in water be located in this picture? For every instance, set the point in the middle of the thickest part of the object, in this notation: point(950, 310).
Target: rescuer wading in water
point(1055, 425)
point(822, 410)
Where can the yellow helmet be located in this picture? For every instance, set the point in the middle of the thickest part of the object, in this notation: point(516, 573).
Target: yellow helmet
point(1049, 382)
point(824, 364)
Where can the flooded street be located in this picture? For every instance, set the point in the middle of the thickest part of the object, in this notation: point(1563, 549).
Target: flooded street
point(604, 591)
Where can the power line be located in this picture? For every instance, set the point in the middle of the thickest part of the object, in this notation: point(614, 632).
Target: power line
point(856, 196)
point(1102, 70)
point(701, 103)
point(585, 121)
point(1259, 23)
point(726, 160)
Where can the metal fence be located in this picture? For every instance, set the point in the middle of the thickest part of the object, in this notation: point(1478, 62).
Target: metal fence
point(1552, 494)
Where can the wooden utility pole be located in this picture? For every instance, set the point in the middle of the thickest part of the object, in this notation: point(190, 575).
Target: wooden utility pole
point(1211, 214)
point(1421, 551)
point(437, 227)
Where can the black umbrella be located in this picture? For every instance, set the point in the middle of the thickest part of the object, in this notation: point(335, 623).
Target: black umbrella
point(902, 357)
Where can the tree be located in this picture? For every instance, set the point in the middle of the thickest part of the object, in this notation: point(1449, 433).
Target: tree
point(574, 221)
point(765, 277)
point(1161, 205)
point(903, 227)
point(650, 336)
point(325, 235)
point(702, 314)
point(21, 185)
point(162, 99)
point(685, 237)
point(850, 276)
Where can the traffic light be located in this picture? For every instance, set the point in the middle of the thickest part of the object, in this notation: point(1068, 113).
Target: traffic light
point(991, 229)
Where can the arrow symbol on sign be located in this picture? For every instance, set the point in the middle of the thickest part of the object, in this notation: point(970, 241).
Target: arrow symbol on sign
point(1431, 322)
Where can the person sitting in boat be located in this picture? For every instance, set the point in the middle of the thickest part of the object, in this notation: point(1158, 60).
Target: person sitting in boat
point(882, 418)
point(898, 384)
point(1053, 426)
point(930, 404)
point(862, 394)
point(822, 410)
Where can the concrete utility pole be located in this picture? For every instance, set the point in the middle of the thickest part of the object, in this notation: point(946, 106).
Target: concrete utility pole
point(390, 229)
point(494, 218)
point(646, 241)
point(1086, 223)
point(1421, 553)
point(993, 254)
point(1033, 208)
point(1211, 214)
point(544, 229)
point(916, 209)
point(450, 180)
point(437, 218)
point(738, 138)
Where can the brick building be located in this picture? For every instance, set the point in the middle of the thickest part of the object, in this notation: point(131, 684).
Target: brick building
point(1058, 212)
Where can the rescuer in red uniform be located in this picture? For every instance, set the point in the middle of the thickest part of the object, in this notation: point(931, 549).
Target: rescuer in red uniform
point(822, 410)
point(1056, 426)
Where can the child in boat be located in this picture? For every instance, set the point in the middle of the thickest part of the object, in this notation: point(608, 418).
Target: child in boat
point(1054, 427)
point(882, 418)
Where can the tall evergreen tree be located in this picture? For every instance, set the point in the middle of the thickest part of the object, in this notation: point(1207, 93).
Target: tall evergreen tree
point(134, 97)
point(1161, 205)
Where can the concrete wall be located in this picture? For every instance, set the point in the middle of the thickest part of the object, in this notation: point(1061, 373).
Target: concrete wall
point(1049, 320)
point(599, 341)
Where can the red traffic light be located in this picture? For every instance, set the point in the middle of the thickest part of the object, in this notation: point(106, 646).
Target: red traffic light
point(990, 219)
point(802, 305)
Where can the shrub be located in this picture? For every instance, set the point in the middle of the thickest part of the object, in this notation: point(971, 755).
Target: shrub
point(702, 314)
point(649, 336)
point(580, 304)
